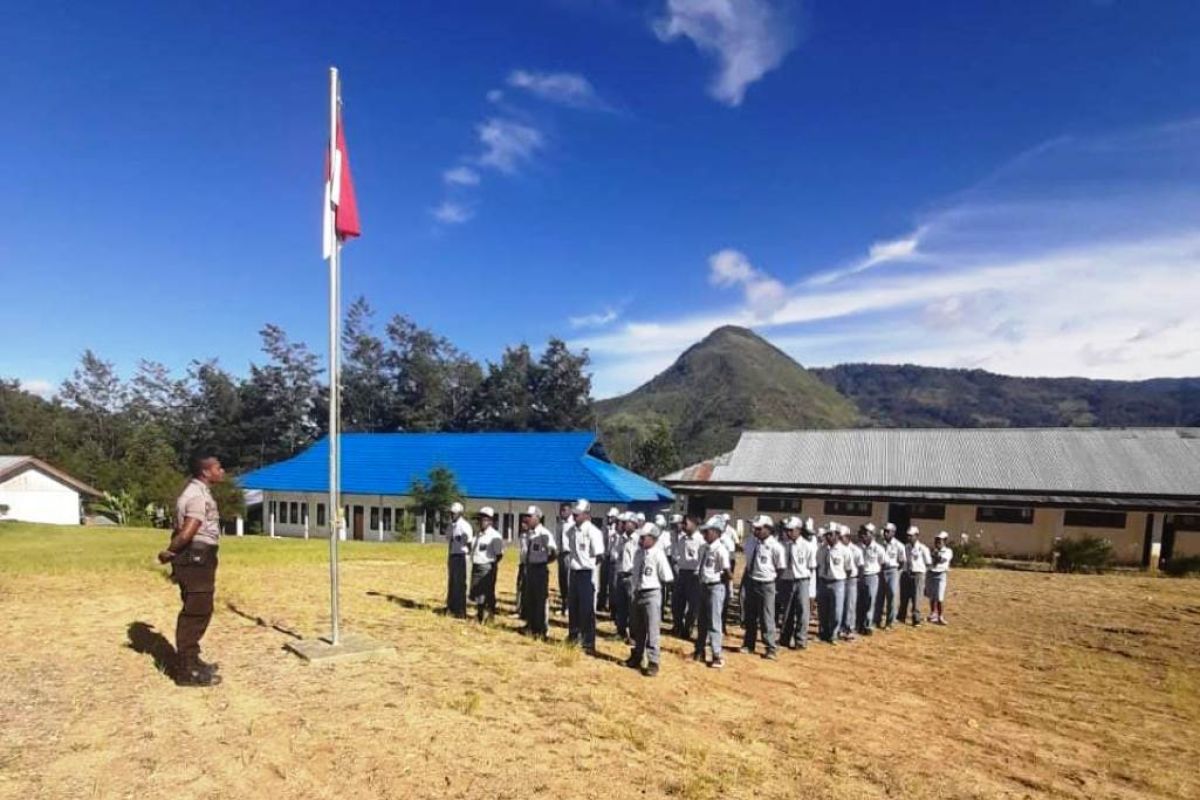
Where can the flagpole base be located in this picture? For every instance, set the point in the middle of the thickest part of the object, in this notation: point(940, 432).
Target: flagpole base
point(351, 646)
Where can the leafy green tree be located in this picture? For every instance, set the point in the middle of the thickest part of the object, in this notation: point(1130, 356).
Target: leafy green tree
point(433, 497)
point(369, 401)
point(433, 380)
point(657, 454)
point(562, 390)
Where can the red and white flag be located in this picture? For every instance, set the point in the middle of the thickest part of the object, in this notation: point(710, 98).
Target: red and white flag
point(341, 211)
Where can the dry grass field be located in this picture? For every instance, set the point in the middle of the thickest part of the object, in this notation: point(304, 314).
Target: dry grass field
point(1043, 686)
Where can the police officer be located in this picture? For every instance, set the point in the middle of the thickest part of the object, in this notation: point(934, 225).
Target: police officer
point(912, 583)
point(541, 549)
point(801, 560)
point(712, 576)
point(888, 601)
point(460, 539)
point(763, 564)
point(873, 556)
point(622, 595)
point(485, 564)
point(584, 546)
point(192, 553)
point(686, 597)
point(603, 601)
point(651, 571)
point(831, 574)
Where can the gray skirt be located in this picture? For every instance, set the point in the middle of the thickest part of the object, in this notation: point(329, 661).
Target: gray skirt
point(935, 586)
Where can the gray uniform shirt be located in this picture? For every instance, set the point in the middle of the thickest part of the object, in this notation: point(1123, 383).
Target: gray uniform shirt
point(540, 546)
point(651, 569)
point(196, 502)
point(714, 559)
point(766, 560)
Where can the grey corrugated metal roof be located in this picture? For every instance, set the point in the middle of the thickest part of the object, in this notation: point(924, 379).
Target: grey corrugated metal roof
point(1141, 461)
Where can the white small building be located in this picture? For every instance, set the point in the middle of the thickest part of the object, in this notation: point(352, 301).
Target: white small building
point(33, 491)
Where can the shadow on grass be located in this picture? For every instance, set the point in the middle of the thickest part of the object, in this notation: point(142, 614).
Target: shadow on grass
point(262, 623)
point(144, 639)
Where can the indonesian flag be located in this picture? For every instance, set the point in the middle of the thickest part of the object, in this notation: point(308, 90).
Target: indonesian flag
point(341, 211)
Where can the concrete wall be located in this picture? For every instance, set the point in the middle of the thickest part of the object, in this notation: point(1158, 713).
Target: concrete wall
point(34, 496)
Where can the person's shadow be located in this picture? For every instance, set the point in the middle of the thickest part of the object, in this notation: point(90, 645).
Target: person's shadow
point(144, 639)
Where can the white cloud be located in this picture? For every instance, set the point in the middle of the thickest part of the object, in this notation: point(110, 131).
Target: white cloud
point(596, 320)
point(507, 144)
point(451, 213)
point(748, 38)
point(564, 88)
point(461, 176)
point(42, 388)
point(1077, 258)
point(495, 96)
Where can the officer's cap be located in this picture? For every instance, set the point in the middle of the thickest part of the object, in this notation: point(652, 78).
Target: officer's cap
point(487, 511)
point(456, 507)
point(763, 521)
point(581, 507)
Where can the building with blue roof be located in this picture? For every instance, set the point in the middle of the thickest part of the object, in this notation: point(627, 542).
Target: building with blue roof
point(507, 471)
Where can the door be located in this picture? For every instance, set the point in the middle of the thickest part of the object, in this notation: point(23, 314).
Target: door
point(900, 515)
point(358, 523)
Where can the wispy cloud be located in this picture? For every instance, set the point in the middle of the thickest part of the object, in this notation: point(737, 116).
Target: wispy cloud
point(451, 213)
point(42, 388)
point(461, 176)
point(507, 143)
point(1078, 258)
point(596, 320)
point(748, 38)
point(564, 88)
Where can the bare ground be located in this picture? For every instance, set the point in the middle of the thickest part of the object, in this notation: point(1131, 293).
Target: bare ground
point(1043, 686)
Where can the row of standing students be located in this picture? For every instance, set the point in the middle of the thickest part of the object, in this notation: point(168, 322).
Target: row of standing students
point(635, 567)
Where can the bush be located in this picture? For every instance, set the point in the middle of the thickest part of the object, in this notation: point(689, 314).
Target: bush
point(968, 554)
point(1182, 567)
point(1086, 554)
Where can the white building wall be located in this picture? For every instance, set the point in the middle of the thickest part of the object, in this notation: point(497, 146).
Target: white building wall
point(34, 496)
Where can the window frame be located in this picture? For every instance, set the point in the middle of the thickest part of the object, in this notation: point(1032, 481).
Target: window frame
point(779, 504)
point(842, 508)
point(1008, 515)
point(917, 511)
point(1097, 518)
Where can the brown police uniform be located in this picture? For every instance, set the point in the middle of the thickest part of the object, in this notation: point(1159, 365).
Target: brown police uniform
point(195, 570)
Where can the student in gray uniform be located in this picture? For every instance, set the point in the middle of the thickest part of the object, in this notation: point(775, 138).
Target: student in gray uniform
point(584, 545)
point(939, 570)
point(715, 566)
point(522, 554)
point(651, 571)
point(460, 540)
point(687, 588)
point(485, 564)
point(565, 523)
point(540, 552)
point(622, 594)
point(801, 557)
point(603, 602)
point(868, 578)
point(888, 601)
point(763, 564)
point(729, 538)
point(831, 576)
point(912, 582)
point(853, 568)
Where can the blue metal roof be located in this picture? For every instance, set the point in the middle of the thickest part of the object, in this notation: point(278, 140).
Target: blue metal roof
point(533, 466)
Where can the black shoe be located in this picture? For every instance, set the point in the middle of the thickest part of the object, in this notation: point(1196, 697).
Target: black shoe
point(651, 670)
point(633, 663)
point(213, 667)
point(746, 650)
point(771, 655)
point(698, 657)
point(196, 676)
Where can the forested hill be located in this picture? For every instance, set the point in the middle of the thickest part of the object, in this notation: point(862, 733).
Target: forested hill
point(912, 396)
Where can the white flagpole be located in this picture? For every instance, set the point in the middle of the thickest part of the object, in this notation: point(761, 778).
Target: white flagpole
point(335, 455)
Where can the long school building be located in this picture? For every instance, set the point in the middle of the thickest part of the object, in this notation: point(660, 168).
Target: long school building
point(1014, 491)
point(508, 471)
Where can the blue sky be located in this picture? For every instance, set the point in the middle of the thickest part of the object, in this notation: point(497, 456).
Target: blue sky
point(1008, 185)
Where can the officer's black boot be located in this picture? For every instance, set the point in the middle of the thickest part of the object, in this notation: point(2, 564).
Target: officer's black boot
point(191, 672)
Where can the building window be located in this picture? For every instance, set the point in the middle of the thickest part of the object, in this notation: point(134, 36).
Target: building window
point(1094, 519)
point(927, 511)
point(295, 513)
point(780, 505)
point(719, 501)
point(272, 511)
point(320, 515)
point(1011, 514)
point(847, 508)
point(374, 518)
point(1186, 522)
point(304, 513)
point(387, 519)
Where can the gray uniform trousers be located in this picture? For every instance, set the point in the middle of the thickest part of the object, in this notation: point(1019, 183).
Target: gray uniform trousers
point(685, 600)
point(647, 625)
point(456, 590)
point(581, 608)
point(622, 601)
point(564, 583)
point(888, 600)
point(708, 629)
point(760, 614)
point(830, 596)
point(868, 593)
point(912, 588)
point(728, 594)
point(536, 587)
point(849, 606)
point(796, 614)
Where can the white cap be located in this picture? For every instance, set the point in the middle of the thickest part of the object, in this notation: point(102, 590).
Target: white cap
point(456, 507)
point(715, 522)
point(793, 523)
point(649, 530)
point(487, 511)
point(913, 530)
point(676, 519)
point(762, 521)
point(941, 535)
point(825, 529)
point(808, 524)
point(627, 516)
point(725, 515)
point(660, 520)
point(890, 527)
point(869, 528)
point(612, 512)
point(581, 507)
point(639, 518)
point(844, 530)
point(533, 511)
